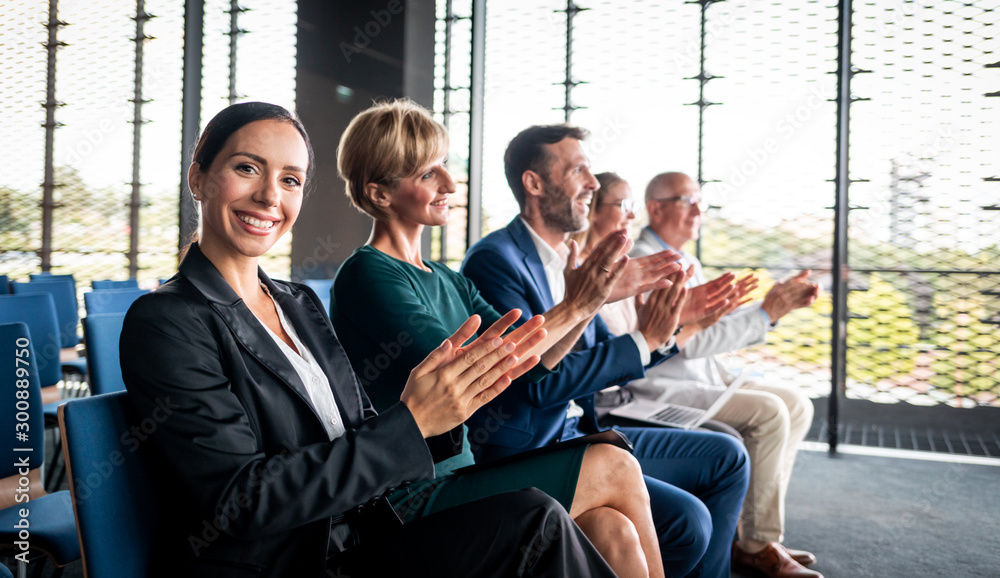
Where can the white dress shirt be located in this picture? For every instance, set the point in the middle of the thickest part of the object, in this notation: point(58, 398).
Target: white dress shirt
point(695, 375)
point(554, 263)
point(310, 373)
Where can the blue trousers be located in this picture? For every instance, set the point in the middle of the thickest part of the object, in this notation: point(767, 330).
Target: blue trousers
point(696, 481)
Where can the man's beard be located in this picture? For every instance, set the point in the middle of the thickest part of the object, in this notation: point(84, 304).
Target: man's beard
point(557, 210)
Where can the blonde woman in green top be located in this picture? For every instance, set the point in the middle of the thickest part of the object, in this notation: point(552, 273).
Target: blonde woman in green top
point(396, 307)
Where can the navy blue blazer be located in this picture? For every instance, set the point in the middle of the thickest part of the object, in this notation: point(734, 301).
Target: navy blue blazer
point(508, 272)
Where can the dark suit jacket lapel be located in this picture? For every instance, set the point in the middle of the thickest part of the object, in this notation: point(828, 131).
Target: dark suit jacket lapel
point(532, 261)
point(245, 327)
point(317, 334)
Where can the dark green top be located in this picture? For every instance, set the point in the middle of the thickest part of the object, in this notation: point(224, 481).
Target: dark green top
point(390, 315)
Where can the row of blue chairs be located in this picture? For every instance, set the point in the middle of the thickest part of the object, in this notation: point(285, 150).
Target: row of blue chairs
point(45, 313)
point(51, 522)
point(109, 518)
point(97, 285)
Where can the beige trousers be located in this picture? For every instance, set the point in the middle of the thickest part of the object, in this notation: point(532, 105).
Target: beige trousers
point(772, 420)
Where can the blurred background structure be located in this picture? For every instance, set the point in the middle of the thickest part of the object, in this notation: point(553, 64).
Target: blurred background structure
point(858, 139)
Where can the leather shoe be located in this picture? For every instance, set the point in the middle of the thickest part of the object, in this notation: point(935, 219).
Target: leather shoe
point(773, 561)
point(801, 556)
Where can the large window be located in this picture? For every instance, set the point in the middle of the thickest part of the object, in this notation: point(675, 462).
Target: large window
point(743, 96)
point(68, 207)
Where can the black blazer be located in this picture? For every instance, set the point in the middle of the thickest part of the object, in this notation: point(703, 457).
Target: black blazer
point(250, 483)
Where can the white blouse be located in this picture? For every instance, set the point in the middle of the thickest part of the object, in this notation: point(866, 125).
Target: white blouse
point(310, 373)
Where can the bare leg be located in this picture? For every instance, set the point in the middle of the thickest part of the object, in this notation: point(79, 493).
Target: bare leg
point(614, 536)
point(611, 478)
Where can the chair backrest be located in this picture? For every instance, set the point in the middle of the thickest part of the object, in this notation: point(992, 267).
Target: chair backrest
point(63, 293)
point(111, 300)
point(22, 395)
point(38, 312)
point(112, 485)
point(4, 285)
point(322, 288)
point(44, 276)
point(104, 371)
point(105, 284)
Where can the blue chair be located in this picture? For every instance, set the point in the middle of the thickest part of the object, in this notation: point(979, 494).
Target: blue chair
point(4, 285)
point(63, 293)
point(52, 528)
point(322, 288)
point(38, 311)
point(102, 332)
point(44, 276)
point(105, 284)
point(115, 504)
point(111, 300)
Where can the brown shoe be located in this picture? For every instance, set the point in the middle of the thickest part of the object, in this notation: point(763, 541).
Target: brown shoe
point(801, 556)
point(773, 561)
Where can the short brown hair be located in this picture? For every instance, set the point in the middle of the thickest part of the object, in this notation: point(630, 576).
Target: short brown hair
point(388, 142)
point(526, 152)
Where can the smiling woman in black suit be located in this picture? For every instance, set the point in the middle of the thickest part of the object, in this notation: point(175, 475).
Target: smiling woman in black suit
point(270, 445)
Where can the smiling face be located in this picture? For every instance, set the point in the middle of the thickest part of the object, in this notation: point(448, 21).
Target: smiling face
point(670, 216)
point(568, 187)
point(607, 215)
point(422, 199)
point(251, 193)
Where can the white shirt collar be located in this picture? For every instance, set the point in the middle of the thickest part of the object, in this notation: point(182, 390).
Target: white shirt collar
point(553, 261)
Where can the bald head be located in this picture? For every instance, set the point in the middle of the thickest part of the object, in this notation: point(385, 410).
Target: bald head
point(664, 185)
point(672, 215)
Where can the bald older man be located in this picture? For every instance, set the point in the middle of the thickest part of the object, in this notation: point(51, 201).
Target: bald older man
point(772, 419)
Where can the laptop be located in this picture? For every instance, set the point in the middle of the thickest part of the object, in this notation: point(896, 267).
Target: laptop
point(678, 416)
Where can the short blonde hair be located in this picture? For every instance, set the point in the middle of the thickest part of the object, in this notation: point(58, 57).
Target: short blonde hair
point(388, 142)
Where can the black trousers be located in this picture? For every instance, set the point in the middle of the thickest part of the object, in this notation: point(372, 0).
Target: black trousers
point(523, 533)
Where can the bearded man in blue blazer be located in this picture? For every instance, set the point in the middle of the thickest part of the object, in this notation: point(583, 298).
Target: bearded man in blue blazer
point(696, 480)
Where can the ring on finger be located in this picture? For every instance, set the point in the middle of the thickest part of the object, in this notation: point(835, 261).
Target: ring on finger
point(605, 269)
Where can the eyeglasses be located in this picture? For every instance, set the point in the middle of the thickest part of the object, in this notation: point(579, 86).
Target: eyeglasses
point(626, 205)
point(686, 200)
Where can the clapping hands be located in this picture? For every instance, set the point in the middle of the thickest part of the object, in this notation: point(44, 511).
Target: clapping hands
point(789, 295)
point(454, 380)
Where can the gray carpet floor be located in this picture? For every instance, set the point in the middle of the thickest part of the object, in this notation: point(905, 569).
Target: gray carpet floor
point(887, 517)
point(867, 516)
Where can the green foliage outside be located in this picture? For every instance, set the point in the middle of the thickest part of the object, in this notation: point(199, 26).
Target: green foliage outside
point(882, 338)
point(921, 330)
